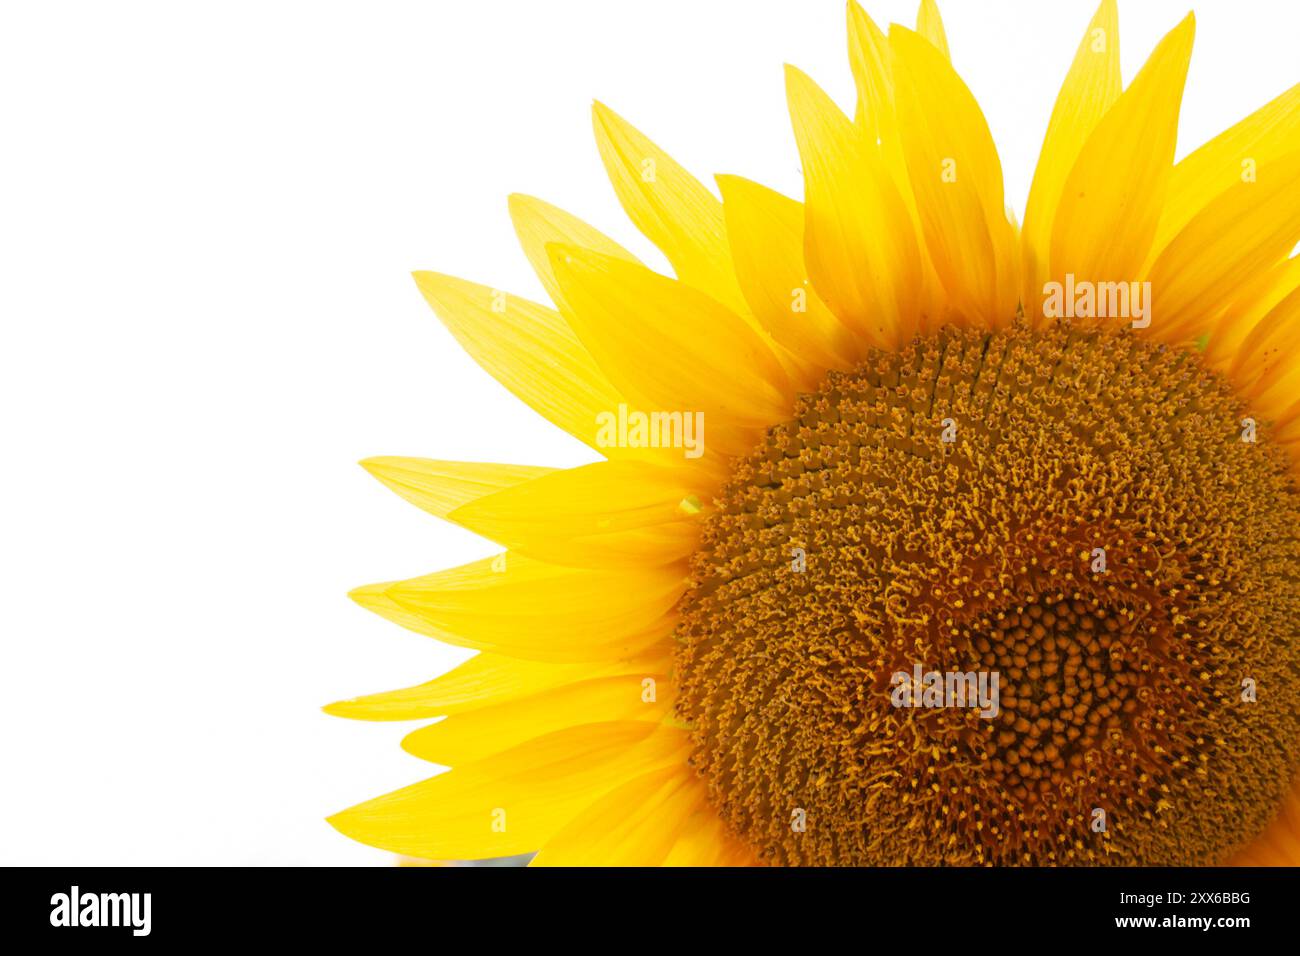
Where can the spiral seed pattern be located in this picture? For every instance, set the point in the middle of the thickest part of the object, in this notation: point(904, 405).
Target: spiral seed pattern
point(1073, 509)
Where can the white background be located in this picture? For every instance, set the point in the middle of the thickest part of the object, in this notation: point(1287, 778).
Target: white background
point(208, 214)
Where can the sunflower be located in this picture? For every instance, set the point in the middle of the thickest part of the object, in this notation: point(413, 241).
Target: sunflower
point(879, 435)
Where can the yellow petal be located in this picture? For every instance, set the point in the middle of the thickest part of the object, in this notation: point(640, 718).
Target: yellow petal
point(871, 61)
point(670, 347)
point(635, 824)
point(1265, 372)
point(604, 515)
point(1286, 426)
point(512, 802)
point(485, 680)
point(1267, 134)
point(466, 737)
point(669, 205)
point(527, 348)
point(767, 244)
point(706, 841)
point(1111, 201)
point(531, 609)
point(374, 598)
point(930, 26)
point(859, 245)
point(539, 223)
point(1259, 296)
point(440, 487)
point(956, 178)
point(1091, 87)
point(1249, 226)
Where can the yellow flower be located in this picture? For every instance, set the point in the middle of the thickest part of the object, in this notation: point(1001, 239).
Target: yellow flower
point(919, 536)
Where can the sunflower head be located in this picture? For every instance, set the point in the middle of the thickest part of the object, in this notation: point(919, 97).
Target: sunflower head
point(1032, 555)
point(917, 535)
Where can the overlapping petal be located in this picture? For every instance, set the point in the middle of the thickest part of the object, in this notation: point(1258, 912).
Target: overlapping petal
point(859, 245)
point(956, 179)
point(1091, 87)
point(513, 802)
point(473, 735)
point(529, 349)
point(514, 605)
point(1111, 201)
point(671, 348)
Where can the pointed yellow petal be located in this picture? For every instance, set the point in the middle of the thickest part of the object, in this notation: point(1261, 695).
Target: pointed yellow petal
point(1257, 298)
point(670, 347)
point(440, 487)
point(679, 215)
point(930, 26)
point(605, 515)
point(1091, 87)
point(859, 245)
point(633, 825)
point(374, 598)
point(527, 608)
point(1111, 201)
point(488, 679)
point(484, 680)
point(512, 802)
point(767, 244)
point(1247, 227)
point(538, 223)
point(527, 348)
point(466, 737)
point(669, 205)
point(956, 177)
point(1264, 371)
point(871, 61)
point(1267, 134)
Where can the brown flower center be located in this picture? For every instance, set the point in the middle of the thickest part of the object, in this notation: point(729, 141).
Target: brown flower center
point(1070, 539)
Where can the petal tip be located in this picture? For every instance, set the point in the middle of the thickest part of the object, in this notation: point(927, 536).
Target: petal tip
point(337, 709)
point(368, 595)
point(602, 114)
